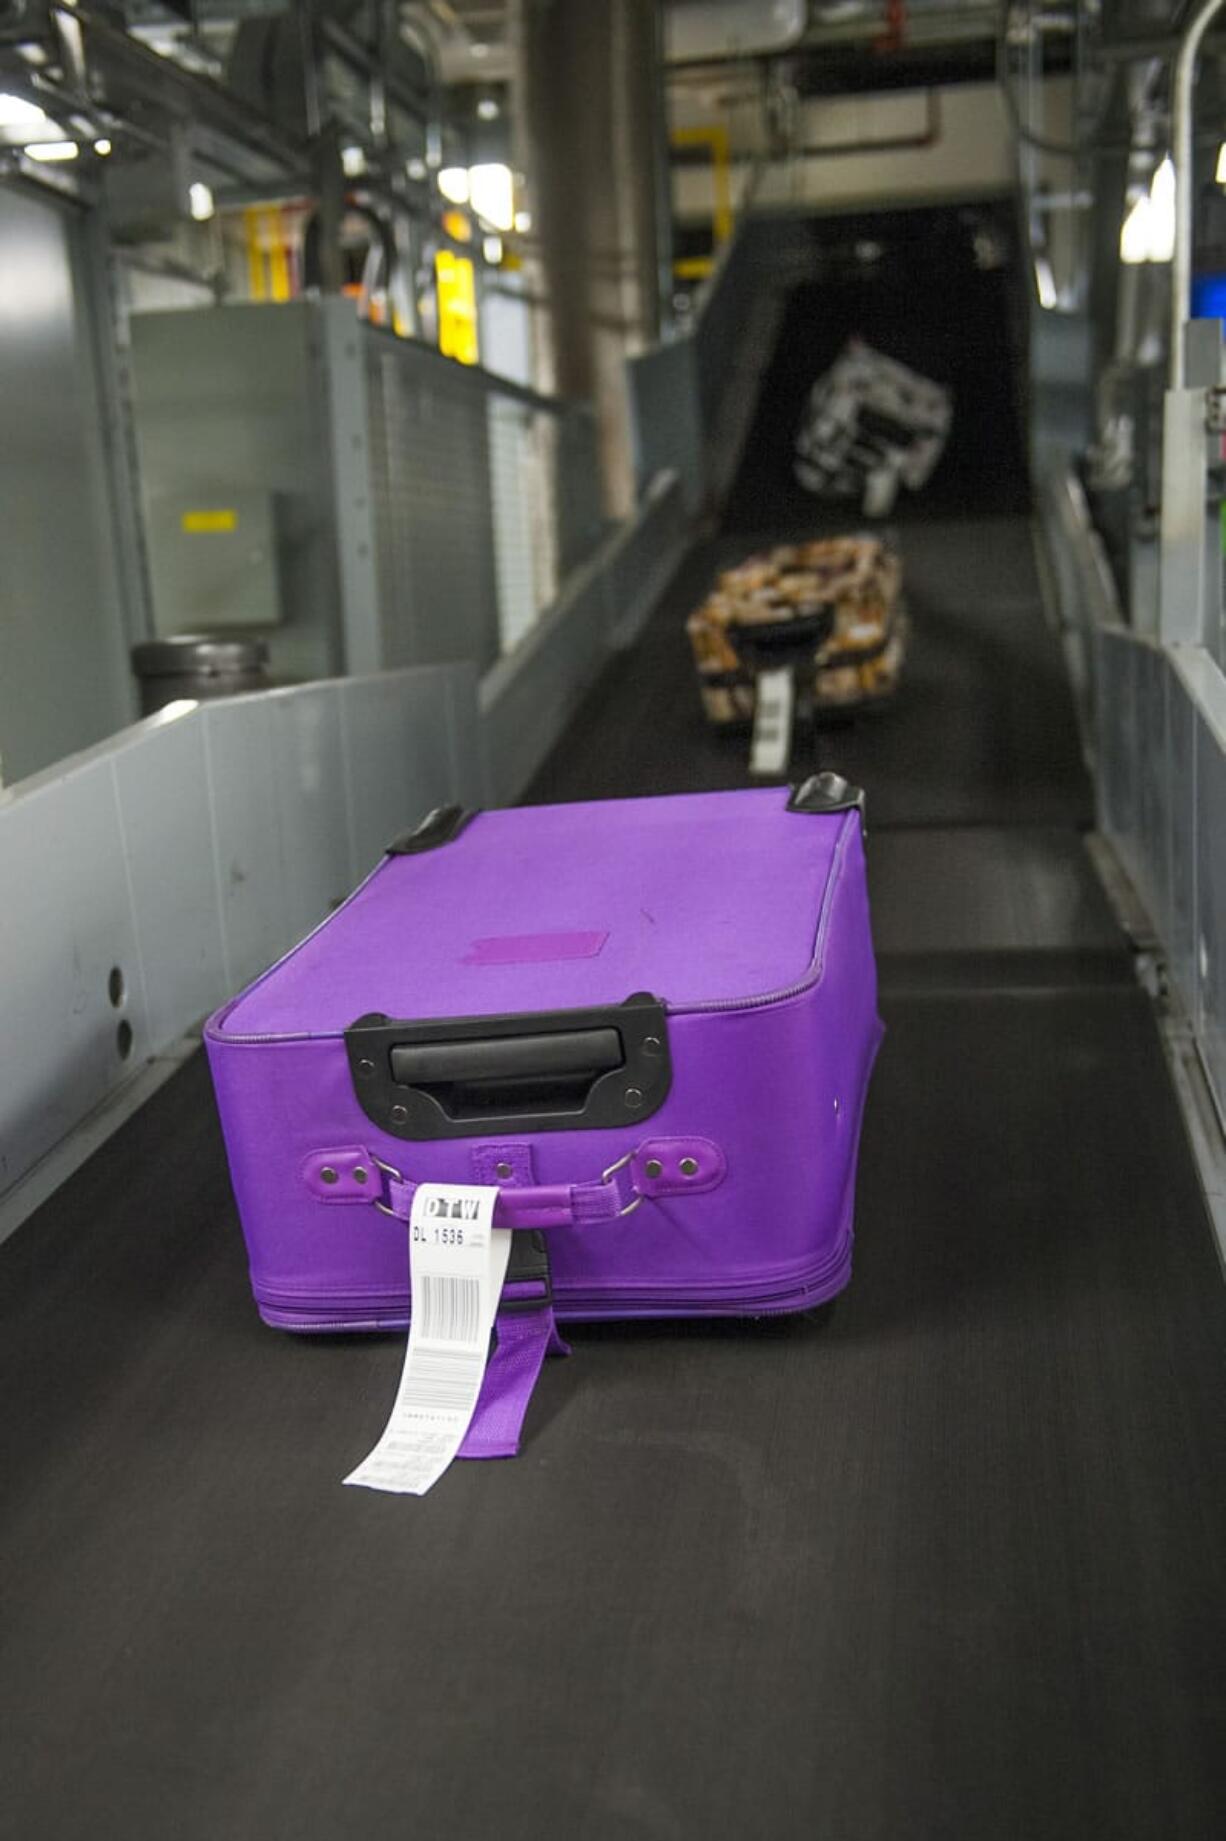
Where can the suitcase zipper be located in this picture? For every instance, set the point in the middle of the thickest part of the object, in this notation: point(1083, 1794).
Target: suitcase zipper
point(812, 975)
point(699, 1006)
point(348, 1312)
point(591, 1308)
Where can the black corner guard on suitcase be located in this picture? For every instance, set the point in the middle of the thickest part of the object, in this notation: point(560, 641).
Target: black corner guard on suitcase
point(441, 826)
point(465, 1077)
point(827, 792)
point(782, 642)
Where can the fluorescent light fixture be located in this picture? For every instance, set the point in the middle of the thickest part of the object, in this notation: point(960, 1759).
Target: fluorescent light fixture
point(453, 184)
point(16, 112)
point(1148, 234)
point(1162, 212)
point(1045, 283)
point(200, 202)
point(491, 192)
point(491, 249)
point(353, 162)
point(52, 150)
point(487, 109)
point(102, 147)
point(523, 222)
point(1134, 237)
point(1220, 174)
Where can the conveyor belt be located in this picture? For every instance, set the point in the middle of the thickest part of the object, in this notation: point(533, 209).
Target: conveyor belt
point(949, 1565)
point(930, 302)
point(983, 731)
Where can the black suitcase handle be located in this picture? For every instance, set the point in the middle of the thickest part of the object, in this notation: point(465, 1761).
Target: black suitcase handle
point(463, 1077)
point(578, 1054)
point(764, 644)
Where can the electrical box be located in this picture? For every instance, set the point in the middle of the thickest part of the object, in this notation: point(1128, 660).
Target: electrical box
point(148, 193)
point(213, 561)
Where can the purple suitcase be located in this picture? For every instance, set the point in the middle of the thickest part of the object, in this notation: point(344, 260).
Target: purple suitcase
point(649, 1022)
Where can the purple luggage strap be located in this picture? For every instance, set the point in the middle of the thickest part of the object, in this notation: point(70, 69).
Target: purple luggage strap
point(525, 1334)
point(525, 1329)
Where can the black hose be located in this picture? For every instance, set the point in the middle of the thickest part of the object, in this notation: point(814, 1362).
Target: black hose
point(311, 266)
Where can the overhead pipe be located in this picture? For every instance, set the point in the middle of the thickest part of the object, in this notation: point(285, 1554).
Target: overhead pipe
point(1183, 93)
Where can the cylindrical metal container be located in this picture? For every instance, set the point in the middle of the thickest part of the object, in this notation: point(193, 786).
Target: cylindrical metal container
point(194, 666)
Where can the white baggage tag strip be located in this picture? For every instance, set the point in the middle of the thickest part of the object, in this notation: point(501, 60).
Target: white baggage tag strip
point(772, 722)
point(457, 1263)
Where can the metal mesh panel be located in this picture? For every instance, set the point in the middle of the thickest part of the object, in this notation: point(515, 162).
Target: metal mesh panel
point(1162, 803)
point(577, 495)
point(667, 429)
point(1209, 952)
point(525, 549)
point(483, 498)
point(430, 472)
point(720, 330)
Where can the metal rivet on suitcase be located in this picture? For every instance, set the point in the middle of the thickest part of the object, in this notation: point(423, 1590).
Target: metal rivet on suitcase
point(688, 1166)
point(327, 1174)
point(503, 1170)
point(359, 1174)
point(654, 1167)
point(366, 1069)
point(399, 1114)
point(651, 1046)
point(634, 1098)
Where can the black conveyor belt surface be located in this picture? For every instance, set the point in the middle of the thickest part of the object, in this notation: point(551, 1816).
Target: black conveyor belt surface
point(983, 731)
point(950, 1565)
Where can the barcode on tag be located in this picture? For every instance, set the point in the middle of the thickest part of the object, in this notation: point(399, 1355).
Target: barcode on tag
point(444, 1377)
point(775, 694)
point(453, 1302)
point(450, 1307)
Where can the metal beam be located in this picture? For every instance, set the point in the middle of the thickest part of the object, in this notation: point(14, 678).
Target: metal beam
point(235, 135)
point(367, 63)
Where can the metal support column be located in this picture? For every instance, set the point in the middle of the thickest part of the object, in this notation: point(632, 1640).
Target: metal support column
point(588, 115)
point(1191, 611)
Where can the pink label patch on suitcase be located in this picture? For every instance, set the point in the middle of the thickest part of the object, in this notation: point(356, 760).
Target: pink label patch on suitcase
point(533, 948)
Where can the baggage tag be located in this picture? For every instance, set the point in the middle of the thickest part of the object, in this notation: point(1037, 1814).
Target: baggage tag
point(457, 1263)
point(880, 491)
point(775, 694)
